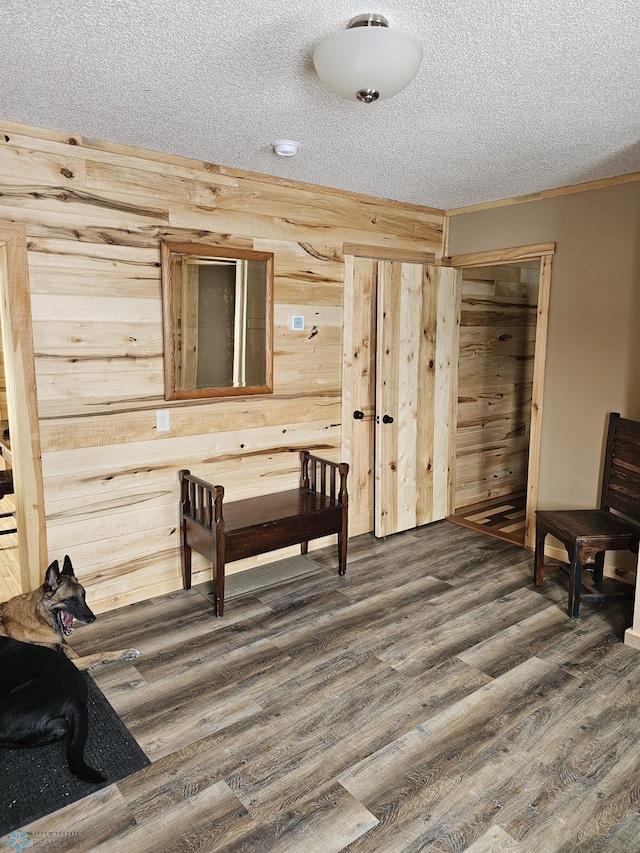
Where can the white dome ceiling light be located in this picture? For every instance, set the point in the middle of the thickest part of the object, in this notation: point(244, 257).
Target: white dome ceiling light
point(367, 62)
point(285, 147)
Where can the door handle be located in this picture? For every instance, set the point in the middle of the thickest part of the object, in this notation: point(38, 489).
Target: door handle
point(358, 415)
point(387, 419)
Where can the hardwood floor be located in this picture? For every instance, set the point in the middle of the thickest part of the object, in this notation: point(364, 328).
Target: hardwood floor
point(431, 700)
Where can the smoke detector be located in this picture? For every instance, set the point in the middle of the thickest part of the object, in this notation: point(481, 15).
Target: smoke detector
point(285, 147)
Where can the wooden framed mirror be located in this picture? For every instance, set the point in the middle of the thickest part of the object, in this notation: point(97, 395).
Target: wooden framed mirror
point(217, 306)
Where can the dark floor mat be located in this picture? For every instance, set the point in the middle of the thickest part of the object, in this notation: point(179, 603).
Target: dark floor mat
point(35, 782)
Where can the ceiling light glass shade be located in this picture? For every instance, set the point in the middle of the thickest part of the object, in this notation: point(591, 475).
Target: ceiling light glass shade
point(367, 59)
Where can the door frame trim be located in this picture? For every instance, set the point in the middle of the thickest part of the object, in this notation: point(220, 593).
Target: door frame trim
point(544, 253)
point(22, 403)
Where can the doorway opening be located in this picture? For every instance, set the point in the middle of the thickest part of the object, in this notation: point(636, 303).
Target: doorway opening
point(10, 580)
point(503, 328)
point(495, 384)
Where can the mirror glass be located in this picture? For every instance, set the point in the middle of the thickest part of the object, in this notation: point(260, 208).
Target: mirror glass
point(218, 321)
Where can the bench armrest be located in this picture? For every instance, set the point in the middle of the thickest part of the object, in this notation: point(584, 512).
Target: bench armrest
point(324, 476)
point(200, 500)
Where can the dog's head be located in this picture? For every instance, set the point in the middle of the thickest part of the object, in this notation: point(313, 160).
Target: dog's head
point(64, 597)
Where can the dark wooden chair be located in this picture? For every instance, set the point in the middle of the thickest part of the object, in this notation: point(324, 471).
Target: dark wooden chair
point(6, 488)
point(588, 534)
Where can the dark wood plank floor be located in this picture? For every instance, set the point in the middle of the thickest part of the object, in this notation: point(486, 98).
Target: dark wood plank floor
point(431, 700)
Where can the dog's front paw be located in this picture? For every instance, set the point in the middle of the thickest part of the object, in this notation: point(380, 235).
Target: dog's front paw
point(131, 654)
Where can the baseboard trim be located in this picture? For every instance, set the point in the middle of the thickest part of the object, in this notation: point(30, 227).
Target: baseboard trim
point(632, 638)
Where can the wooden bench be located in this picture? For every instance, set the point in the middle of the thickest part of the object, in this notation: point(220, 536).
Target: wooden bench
point(245, 528)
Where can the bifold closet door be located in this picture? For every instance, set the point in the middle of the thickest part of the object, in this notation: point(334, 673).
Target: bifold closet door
point(359, 388)
point(418, 318)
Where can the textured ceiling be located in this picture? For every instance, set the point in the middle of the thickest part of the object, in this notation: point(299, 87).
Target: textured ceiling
point(513, 97)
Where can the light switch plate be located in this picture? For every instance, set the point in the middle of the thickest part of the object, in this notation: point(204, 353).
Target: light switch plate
point(296, 323)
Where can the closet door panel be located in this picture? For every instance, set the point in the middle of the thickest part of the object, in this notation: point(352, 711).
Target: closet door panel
point(388, 324)
point(445, 410)
point(359, 389)
point(416, 368)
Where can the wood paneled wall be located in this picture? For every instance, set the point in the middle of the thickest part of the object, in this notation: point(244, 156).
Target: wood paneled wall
point(3, 390)
point(497, 346)
point(94, 215)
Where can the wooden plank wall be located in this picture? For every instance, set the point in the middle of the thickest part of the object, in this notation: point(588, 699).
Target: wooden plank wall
point(497, 344)
point(94, 215)
point(3, 390)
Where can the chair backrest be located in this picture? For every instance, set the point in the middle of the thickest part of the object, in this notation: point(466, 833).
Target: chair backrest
point(621, 477)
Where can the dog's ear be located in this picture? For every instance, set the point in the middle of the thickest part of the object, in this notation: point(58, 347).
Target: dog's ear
point(67, 568)
point(52, 577)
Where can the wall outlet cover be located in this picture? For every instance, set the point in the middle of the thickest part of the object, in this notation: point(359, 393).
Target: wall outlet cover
point(162, 420)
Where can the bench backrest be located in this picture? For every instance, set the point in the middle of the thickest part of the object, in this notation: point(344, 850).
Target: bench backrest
point(621, 477)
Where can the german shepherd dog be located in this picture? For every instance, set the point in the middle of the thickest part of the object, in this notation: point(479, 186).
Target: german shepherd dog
point(45, 617)
point(43, 698)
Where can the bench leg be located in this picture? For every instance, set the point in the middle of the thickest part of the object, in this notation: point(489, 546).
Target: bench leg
point(218, 594)
point(218, 560)
point(186, 564)
point(343, 537)
point(538, 561)
point(342, 554)
point(304, 548)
